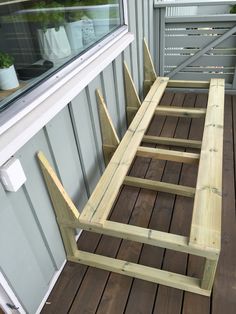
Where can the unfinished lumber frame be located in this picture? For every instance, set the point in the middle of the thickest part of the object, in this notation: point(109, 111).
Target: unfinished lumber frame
point(205, 234)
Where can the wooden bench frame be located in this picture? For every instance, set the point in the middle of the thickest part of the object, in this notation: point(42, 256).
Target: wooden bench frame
point(205, 235)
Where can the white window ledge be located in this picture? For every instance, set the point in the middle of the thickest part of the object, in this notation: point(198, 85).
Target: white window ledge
point(26, 125)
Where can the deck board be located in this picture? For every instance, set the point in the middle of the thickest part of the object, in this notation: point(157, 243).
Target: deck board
point(83, 289)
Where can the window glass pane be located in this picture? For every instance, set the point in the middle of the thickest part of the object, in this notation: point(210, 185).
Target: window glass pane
point(39, 37)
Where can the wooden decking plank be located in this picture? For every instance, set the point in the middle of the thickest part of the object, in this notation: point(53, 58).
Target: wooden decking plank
point(65, 289)
point(169, 300)
point(206, 221)
point(129, 250)
point(224, 293)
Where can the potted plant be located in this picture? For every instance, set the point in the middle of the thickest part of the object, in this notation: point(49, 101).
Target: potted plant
point(74, 25)
point(99, 12)
point(8, 78)
point(52, 37)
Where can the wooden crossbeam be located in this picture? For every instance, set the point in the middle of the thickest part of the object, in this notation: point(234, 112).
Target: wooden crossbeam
point(160, 186)
point(188, 84)
point(170, 155)
point(175, 111)
point(139, 271)
point(181, 112)
point(172, 141)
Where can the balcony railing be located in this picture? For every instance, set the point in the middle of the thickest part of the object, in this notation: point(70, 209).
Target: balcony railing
point(196, 47)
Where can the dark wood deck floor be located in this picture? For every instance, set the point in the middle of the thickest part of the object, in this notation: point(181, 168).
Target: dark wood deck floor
point(88, 290)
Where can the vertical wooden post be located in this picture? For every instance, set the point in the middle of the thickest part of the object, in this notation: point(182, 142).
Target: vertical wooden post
point(65, 210)
point(132, 99)
point(209, 274)
point(110, 139)
point(149, 69)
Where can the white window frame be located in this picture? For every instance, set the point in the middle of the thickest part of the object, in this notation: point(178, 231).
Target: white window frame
point(27, 115)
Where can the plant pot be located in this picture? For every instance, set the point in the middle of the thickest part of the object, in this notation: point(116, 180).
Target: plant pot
point(54, 44)
point(74, 34)
point(8, 78)
point(100, 14)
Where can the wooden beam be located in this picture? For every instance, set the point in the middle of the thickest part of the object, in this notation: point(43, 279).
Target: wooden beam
point(188, 84)
point(132, 98)
point(181, 112)
point(170, 155)
point(109, 135)
point(160, 186)
point(139, 271)
point(206, 219)
point(172, 141)
point(143, 235)
point(62, 203)
point(149, 69)
point(174, 111)
point(101, 201)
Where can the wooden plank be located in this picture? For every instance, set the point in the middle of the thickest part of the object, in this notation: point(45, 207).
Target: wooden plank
point(181, 112)
point(176, 111)
point(63, 205)
point(209, 274)
point(101, 201)
point(139, 271)
point(185, 84)
point(109, 135)
point(206, 221)
point(160, 186)
point(170, 155)
point(172, 141)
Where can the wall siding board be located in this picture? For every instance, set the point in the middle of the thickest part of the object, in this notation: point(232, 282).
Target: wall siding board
point(65, 153)
point(134, 45)
point(72, 143)
point(39, 198)
point(109, 94)
point(120, 95)
point(85, 138)
point(92, 103)
point(19, 263)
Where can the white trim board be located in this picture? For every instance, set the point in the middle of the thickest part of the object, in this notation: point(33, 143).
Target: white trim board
point(8, 296)
point(23, 130)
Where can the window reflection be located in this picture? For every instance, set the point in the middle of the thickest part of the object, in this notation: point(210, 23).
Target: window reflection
point(41, 36)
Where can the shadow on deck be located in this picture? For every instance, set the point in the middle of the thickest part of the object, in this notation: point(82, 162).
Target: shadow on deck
point(82, 289)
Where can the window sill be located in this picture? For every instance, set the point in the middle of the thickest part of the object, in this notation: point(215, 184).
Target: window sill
point(25, 124)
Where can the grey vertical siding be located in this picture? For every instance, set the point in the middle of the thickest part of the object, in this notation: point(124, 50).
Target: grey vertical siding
point(32, 250)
